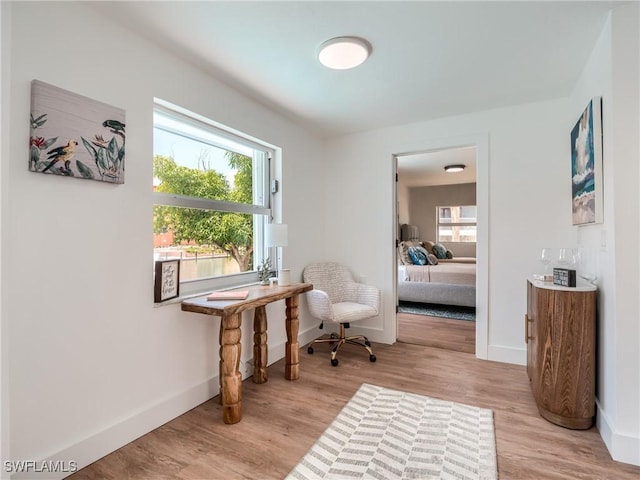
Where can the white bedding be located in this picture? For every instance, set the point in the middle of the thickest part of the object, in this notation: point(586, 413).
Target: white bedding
point(451, 273)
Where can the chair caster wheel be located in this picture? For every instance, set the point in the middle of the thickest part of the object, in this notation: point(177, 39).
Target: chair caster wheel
point(334, 362)
point(372, 358)
point(310, 350)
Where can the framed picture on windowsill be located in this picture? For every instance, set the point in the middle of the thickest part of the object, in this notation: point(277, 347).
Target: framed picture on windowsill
point(167, 280)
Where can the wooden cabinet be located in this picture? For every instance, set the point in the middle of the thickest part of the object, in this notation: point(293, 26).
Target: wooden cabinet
point(560, 329)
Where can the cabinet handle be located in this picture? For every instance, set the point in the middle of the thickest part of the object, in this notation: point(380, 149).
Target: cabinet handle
point(527, 320)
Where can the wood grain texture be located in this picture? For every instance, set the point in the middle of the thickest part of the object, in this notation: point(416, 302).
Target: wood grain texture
point(230, 334)
point(259, 295)
point(231, 379)
point(447, 333)
point(561, 354)
point(260, 349)
point(292, 347)
point(283, 419)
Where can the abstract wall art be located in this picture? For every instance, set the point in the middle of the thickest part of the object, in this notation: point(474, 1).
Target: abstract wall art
point(586, 165)
point(75, 136)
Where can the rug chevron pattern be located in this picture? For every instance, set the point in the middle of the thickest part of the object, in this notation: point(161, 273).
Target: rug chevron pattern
point(388, 434)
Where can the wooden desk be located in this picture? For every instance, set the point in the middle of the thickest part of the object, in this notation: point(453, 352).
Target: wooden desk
point(230, 312)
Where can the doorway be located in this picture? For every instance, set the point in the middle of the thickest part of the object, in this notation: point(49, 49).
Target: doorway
point(423, 187)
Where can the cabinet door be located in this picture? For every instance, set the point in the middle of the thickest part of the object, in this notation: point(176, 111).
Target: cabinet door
point(574, 366)
point(566, 368)
point(529, 329)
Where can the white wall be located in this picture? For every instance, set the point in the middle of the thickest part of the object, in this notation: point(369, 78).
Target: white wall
point(5, 55)
point(528, 207)
point(92, 363)
point(423, 204)
point(612, 73)
point(625, 440)
point(403, 203)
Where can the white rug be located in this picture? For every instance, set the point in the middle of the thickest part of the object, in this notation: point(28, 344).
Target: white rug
point(388, 434)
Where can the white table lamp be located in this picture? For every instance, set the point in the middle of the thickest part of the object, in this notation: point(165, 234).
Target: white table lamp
point(276, 235)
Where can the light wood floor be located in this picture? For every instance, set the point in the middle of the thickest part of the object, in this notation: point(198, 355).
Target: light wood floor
point(450, 334)
point(283, 419)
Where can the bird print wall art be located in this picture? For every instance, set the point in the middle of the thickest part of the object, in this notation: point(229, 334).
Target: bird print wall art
point(75, 136)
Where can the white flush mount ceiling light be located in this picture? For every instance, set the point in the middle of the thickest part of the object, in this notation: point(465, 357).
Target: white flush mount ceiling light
point(342, 53)
point(454, 168)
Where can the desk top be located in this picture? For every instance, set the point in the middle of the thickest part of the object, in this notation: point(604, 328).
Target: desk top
point(259, 295)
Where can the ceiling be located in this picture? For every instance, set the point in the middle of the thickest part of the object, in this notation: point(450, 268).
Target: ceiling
point(426, 169)
point(429, 59)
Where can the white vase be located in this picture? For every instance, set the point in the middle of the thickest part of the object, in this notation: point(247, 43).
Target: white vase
point(284, 278)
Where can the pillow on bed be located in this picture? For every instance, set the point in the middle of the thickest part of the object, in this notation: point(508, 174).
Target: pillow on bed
point(417, 255)
point(403, 251)
point(433, 260)
point(428, 246)
point(449, 254)
point(426, 254)
point(440, 251)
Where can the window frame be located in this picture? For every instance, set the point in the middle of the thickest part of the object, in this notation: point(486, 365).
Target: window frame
point(264, 172)
point(455, 224)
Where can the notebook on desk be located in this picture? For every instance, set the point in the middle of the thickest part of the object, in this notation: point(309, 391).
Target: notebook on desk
point(228, 295)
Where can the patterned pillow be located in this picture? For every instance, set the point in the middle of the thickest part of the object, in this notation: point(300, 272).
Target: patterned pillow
point(417, 256)
point(433, 260)
point(403, 251)
point(440, 250)
point(428, 245)
point(425, 253)
point(449, 253)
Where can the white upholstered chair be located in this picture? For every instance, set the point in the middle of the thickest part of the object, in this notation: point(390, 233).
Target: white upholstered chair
point(337, 297)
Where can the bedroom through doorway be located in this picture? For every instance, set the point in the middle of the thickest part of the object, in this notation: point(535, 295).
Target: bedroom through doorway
point(436, 258)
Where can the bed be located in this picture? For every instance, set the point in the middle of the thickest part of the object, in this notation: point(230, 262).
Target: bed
point(449, 282)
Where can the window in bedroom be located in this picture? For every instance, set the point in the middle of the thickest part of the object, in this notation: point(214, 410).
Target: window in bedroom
point(211, 199)
point(457, 223)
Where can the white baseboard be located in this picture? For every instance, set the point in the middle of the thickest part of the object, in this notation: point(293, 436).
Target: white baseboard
point(500, 353)
point(622, 448)
point(115, 436)
point(112, 437)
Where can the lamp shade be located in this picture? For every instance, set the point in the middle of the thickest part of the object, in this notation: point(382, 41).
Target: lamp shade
point(276, 235)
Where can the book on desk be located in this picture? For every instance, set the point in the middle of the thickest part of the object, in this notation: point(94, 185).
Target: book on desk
point(228, 295)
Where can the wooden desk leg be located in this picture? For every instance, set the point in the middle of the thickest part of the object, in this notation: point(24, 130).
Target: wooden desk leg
point(230, 378)
point(260, 352)
point(291, 371)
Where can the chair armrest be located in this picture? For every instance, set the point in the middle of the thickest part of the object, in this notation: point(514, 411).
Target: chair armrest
point(320, 305)
point(365, 294)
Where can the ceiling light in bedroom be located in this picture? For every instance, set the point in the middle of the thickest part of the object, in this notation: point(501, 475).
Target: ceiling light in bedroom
point(454, 168)
point(342, 53)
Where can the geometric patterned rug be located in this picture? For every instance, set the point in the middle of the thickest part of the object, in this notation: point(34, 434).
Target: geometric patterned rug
point(387, 434)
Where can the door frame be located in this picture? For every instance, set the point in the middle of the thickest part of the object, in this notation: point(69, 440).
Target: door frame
point(481, 143)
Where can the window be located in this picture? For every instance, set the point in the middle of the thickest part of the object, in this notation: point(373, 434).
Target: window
point(457, 223)
point(211, 199)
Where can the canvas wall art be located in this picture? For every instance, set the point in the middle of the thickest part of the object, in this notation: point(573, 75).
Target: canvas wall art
point(75, 136)
point(586, 165)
